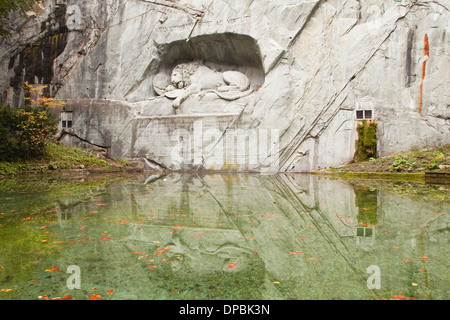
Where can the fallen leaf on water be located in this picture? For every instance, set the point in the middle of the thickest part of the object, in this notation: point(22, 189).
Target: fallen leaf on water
point(95, 297)
point(425, 258)
point(54, 268)
point(408, 260)
point(138, 252)
point(232, 265)
point(198, 235)
point(152, 267)
point(109, 292)
point(414, 284)
point(5, 290)
point(395, 247)
point(66, 298)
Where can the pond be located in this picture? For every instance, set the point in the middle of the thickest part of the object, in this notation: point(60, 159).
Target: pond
point(223, 236)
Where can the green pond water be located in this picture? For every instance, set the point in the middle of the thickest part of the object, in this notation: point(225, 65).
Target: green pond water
point(223, 236)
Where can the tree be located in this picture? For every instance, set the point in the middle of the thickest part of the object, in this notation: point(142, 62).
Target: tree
point(24, 132)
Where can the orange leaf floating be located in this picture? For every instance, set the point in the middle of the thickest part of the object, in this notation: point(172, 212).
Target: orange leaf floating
point(295, 252)
point(95, 297)
point(395, 247)
point(408, 260)
point(66, 298)
point(232, 265)
point(425, 258)
point(109, 292)
point(54, 268)
point(198, 235)
point(104, 239)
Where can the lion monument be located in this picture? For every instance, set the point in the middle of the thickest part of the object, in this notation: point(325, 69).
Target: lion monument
point(193, 77)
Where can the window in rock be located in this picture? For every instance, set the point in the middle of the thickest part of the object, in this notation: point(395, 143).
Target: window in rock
point(66, 120)
point(364, 114)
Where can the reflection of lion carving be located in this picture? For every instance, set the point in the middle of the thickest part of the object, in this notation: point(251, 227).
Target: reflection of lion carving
point(191, 78)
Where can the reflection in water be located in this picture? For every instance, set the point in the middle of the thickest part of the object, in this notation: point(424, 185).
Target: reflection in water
point(229, 236)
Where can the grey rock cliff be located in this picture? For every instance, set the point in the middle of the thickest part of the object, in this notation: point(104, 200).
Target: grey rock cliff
point(311, 66)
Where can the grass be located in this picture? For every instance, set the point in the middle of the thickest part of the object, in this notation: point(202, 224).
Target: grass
point(57, 157)
point(417, 162)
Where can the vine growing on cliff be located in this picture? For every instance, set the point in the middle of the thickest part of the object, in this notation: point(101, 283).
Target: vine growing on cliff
point(366, 147)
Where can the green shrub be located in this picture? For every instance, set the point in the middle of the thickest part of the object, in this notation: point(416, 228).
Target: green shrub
point(367, 141)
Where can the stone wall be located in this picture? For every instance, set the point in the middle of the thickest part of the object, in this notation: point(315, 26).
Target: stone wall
point(310, 65)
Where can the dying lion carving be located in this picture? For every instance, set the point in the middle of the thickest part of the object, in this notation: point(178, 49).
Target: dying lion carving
point(192, 78)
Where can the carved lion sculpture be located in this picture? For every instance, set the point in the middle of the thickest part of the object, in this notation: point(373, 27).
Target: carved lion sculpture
point(192, 78)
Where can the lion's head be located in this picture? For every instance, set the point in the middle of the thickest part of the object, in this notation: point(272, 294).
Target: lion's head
point(181, 74)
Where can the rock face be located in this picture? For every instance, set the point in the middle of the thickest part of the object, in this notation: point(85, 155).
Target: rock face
point(261, 86)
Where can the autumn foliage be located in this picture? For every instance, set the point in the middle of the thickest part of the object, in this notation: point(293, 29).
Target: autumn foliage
point(25, 131)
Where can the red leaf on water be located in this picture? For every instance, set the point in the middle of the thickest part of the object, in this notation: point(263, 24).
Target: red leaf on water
point(231, 265)
point(109, 292)
point(54, 268)
point(198, 235)
point(95, 297)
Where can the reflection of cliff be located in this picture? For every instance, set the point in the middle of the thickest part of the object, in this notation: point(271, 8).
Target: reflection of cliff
point(253, 236)
point(258, 223)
